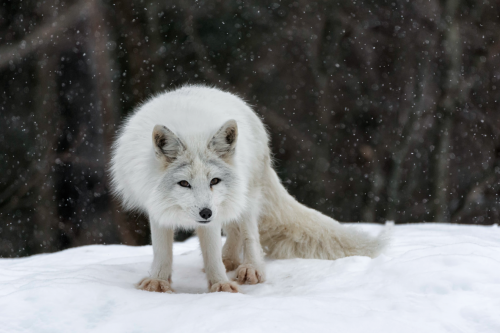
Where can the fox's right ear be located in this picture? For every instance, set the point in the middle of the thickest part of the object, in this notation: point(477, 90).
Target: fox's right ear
point(166, 144)
point(224, 141)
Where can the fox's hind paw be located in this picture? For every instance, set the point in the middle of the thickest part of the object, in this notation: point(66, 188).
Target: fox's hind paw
point(230, 264)
point(225, 286)
point(157, 285)
point(249, 274)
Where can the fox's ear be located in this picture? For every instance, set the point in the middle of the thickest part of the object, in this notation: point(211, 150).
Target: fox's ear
point(224, 141)
point(167, 145)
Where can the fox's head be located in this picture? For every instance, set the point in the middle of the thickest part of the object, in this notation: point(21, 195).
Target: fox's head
point(198, 180)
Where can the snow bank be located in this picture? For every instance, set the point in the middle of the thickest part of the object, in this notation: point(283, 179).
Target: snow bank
point(433, 278)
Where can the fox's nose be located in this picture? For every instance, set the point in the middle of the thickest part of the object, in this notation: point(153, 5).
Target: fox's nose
point(206, 213)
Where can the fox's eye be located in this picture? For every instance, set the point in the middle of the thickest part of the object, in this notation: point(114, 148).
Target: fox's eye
point(184, 183)
point(214, 181)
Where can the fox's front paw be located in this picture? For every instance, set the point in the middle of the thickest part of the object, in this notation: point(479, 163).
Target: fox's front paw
point(230, 264)
point(249, 274)
point(225, 286)
point(157, 285)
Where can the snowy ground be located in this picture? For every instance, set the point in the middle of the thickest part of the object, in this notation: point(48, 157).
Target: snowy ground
point(433, 278)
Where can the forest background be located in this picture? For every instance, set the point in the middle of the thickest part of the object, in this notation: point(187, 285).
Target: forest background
point(377, 110)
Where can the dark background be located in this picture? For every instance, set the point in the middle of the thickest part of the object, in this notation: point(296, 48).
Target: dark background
point(377, 109)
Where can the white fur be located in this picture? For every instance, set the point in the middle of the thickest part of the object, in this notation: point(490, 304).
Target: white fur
point(249, 202)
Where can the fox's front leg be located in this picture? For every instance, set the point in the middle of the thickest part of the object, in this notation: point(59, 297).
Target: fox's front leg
point(161, 271)
point(252, 270)
point(211, 248)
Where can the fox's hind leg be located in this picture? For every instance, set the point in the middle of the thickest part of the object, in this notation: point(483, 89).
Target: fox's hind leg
point(252, 270)
point(161, 270)
point(232, 248)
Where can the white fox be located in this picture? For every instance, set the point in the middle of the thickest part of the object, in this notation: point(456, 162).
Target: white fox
point(198, 157)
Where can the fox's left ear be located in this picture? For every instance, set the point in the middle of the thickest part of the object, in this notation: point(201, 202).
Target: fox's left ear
point(166, 144)
point(224, 141)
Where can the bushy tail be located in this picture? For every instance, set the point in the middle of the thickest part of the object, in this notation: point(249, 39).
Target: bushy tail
point(289, 229)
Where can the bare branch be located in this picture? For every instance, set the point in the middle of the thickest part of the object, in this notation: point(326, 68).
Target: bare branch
point(41, 37)
point(210, 72)
point(207, 67)
point(473, 194)
point(274, 120)
point(11, 189)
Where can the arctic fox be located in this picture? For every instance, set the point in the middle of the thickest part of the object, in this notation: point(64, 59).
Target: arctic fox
point(198, 157)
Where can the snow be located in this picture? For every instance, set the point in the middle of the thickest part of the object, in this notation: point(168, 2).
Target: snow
point(433, 278)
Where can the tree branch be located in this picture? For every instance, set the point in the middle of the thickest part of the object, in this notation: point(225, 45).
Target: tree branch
point(42, 36)
point(206, 65)
point(212, 75)
point(472, 195)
